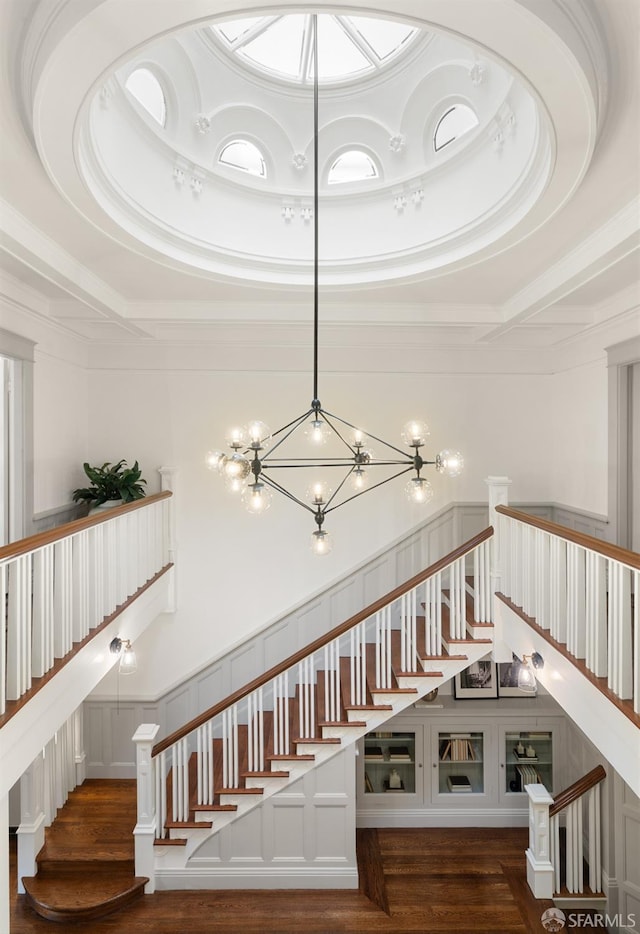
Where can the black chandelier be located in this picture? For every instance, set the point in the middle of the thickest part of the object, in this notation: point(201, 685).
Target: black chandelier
point(257, 454)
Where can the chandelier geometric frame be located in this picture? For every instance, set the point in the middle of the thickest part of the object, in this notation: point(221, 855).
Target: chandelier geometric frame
point(251, 465)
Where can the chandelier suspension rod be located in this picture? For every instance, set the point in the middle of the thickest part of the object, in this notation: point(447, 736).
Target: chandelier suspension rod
point(315, 207)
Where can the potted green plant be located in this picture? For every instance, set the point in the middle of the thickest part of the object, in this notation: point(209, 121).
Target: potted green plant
point(111, 484)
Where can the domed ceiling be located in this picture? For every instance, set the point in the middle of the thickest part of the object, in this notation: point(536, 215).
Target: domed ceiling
point(430, 149)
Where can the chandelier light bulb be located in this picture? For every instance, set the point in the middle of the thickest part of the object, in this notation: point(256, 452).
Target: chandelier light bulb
point(318, 493)
point(321, 542)
point(215, 460)
point(256, 497)
point(236, 467)
point(359, 478)
point(258, 435)
point(450, 463)
point(316, 431)
point(415, 434)
point(419, 490)
point(235, 438)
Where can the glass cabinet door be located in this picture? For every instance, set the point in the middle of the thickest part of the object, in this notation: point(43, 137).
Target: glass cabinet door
point(460, 763)
point(528, 760)
point(390, 763)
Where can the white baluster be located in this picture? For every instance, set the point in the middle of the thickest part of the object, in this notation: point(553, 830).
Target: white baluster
point(161, 794)
point(19, 628)
point(3, 639)
point(595, 841)
point(636, 642)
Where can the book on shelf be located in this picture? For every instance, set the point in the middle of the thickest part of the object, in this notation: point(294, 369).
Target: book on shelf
point(524, 757)
point(458, 783)
point(399, 752)
point(528, 775)
point(458, 749)
point(368, 784)
point(373, 752)
point(383, 734)
point(391, 790)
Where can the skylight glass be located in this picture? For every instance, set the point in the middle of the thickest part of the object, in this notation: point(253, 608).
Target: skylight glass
point(348, 46)
point(243, 155)
point(233, 29)
point(352, 166)
point(145, 87)
point(384, 37)
point(453, 124)
point(279, 47)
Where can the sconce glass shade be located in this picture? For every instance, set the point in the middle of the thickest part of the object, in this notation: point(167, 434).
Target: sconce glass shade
point(415, 434)
point(418, 490)
point(526, 677)
point(128, 660)
point(321, 542)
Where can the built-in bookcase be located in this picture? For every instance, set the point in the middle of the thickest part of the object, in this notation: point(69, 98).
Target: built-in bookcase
point(459, 762)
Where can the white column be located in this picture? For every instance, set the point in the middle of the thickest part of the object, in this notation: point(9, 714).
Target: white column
point(5, 892)
point(32, 820)
point(168, 475)
point(498, 496)
point(145, 829)
point(539, 866)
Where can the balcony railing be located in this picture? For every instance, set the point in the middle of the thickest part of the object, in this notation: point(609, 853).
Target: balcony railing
point(581, 591)
point(60, 587)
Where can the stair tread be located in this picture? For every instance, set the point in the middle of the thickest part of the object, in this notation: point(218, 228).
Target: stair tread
point(186, 824)
point(265, 774)
point(75, 896)
point(329, 740)
point(168, 841)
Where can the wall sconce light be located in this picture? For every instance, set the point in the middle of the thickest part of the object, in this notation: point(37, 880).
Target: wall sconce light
point(527, 673)
point(128, 660)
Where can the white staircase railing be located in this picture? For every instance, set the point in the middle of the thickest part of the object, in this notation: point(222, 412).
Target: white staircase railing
point(583, 592)
point(60, 586)
point(391, 646)
point(578, 809)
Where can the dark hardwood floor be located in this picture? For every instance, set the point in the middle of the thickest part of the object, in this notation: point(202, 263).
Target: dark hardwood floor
point(433, 881)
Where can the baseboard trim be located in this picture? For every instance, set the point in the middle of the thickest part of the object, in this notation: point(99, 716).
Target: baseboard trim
point(443, 817)
point(256, 877)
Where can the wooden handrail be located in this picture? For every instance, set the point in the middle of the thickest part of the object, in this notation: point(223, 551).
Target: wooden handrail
point(25, 545)
point(615, 552)
point(321, 641)
point(564, 798)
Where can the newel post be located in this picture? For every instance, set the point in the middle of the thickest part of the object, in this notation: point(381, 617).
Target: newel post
point(32, 819)
point(498, 496)
point(540, 873)
point(145, 829)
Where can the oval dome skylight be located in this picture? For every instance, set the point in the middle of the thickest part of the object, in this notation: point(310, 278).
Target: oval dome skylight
point(348, 46)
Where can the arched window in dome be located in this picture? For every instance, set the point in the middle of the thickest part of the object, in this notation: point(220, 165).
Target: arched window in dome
point(147, 90)
point(454, 123)
point(245, 156)
point(352, 166)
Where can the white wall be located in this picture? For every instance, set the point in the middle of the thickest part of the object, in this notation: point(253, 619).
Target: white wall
point(579, 417)
point(237, 571)
point(60, 429)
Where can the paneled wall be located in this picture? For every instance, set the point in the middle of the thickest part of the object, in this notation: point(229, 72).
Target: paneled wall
point(303, 837)
point(110, 721)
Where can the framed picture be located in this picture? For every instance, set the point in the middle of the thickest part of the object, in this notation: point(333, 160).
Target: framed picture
point(477, 681)
point(508, 679)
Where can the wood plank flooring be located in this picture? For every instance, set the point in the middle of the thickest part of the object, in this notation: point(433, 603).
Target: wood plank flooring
point(465, 880)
